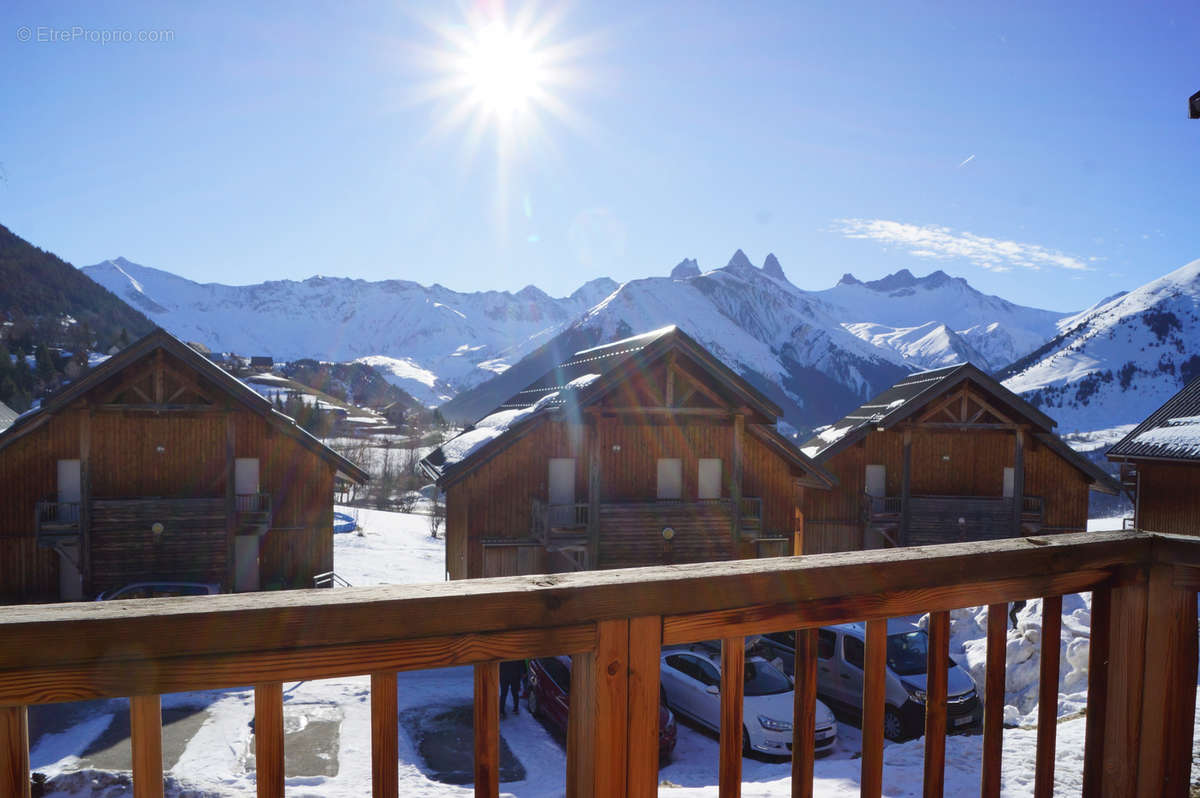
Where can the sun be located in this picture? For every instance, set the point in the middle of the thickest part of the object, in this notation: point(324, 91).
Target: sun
point(503, 69)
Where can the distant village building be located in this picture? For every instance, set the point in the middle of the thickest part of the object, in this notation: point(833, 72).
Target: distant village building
point(1160, 465)
point(262, 362)
point(158, 465)
point(644, 451)
point(943, 456)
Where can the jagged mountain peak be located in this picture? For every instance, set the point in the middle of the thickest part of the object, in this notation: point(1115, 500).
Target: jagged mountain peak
point(739, 261)
point(849, 279)
point(685, 269)
point(771, 266)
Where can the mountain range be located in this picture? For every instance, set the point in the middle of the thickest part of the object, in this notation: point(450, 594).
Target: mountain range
point(816, 353)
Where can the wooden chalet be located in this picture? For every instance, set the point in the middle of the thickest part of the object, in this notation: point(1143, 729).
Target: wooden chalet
point(159, 465)
point(943, 456)
point(1160, 465)
point(644, 451)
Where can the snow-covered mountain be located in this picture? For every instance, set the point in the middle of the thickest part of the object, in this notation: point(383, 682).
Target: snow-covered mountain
point(432, 341)
point(1117, 361)
point(938, 320)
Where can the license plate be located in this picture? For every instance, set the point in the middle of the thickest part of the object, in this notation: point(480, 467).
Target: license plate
point(963, 721)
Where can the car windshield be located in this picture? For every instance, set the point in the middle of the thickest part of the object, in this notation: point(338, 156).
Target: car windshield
point(907, 652)
point(764, 679)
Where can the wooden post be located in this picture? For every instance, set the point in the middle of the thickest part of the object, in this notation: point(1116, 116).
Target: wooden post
point(874, 693)
point(85, 501)
point(385, 737)
point(268, 739)
point(798, 532)
point(594, 487)
point(1098, 654)
point(487, 729)
point(733, 670)
point(14, 752)
point(935, 704)
point(230, 500)
point(906, 487)
point(993, 701)
point(1047, 723)
point(735, 493)
point(804, 714)
point(1018, 480)
point(145, 742)
point(645, 648)
point(598, 723)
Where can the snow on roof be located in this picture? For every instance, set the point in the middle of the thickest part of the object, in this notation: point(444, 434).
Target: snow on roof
point(1180, 435)
point(489, 428)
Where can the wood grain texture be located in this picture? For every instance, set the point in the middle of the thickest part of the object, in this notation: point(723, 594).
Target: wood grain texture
point(14, 751)
point(993, 700)
point(935, 704)
point(804, 714)
point(733, 670)
point(645, 647)
point(1047, 723)
point(1098, 654)
point(145, 742)
point(487, 730)
point(385, 736)
point(874, 693)
point(598, 723)
point(268, 740)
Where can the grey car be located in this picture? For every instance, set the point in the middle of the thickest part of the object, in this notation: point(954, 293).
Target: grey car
point(840, 657)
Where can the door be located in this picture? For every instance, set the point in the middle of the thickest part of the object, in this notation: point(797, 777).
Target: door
point(245, 563)
point(827, 681)
point(1009, 481)
point(69, 481)
point(70, 581)
point(709, 481)
point(245, 476)
point(876, 480)
point(670, 478)
point(562, 491)
point(850, 677)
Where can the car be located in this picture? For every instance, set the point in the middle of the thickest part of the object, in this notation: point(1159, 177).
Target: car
point(160, 590)
point(691, 681)
point(840, 656)
point(548, 699)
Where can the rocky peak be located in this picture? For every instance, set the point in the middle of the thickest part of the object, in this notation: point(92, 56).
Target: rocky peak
point(686, 268)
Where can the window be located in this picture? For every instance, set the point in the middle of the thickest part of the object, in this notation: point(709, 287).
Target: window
point(685, 665)
point(762, 678)
point(853, 650)
point(783, 638)
point(670, 478)
point(709, 481)
point(557, 671)
point(826, 641)
point(708, 672)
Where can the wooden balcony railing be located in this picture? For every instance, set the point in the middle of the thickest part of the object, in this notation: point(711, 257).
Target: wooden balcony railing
point(57, 518)
point(1142, 671)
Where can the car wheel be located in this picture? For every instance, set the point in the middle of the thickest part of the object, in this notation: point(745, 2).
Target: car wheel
point(535, 708)
point(893, 725)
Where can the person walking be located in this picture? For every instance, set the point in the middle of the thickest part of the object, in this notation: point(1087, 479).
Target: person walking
point(512, 676)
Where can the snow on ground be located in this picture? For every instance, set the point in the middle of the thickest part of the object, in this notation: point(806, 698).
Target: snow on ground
point(397, 548)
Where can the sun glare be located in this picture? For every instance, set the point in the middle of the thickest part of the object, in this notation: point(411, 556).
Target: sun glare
point(502, 69)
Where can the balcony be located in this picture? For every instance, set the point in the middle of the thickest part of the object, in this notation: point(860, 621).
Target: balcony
point(1141, 691)
point(253, 513)
point(56, 522)
point(951, 519)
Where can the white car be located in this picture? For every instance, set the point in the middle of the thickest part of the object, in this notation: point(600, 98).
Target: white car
point(691, 683)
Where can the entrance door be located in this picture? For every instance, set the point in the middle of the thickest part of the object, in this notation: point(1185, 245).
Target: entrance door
point(69, 482)
point(70, 581)
point(1009, 481)
point(562, 491)
point(245, 476)
point(876, 480)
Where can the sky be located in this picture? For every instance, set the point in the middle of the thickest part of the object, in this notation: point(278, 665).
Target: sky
point(1040, 150)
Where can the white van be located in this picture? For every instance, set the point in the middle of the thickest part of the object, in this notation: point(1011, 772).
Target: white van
point(840, 656)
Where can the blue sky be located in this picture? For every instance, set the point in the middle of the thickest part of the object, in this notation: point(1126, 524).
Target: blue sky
point(1040, 150)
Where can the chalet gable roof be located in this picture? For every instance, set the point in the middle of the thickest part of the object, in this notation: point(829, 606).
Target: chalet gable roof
point(918, 390)
point(584, 379)
point(1172, 432)
point(223, 380)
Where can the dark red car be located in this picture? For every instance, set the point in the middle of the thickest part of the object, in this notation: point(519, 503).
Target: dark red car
point(548, 698)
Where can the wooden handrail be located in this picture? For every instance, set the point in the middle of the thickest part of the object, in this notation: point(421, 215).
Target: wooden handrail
point(614, 622)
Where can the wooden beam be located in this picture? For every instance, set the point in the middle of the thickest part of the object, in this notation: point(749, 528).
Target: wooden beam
point(804, 713)
point(735, 492)
point(595, 486)
point(145, 741)
point(487, 730)
point(1098, 654)
point(935, 703)
point(85, 501)
point(159, 396)
point(965, 426)
point(385, 736)
point(906, 487)
point(669, 390)
point(230, 499)
point(645, 648)
point(717, 412)
point(733, 670)
point(14, 751)
point(1047, 723)
point(1018, 480)
point(268, 739)
point(874, 695)
point(598, 723)
point(993, 701)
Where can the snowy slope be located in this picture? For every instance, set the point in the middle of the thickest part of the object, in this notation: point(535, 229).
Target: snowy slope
point(1117, 362)
point(460, 339)
point(905, 312)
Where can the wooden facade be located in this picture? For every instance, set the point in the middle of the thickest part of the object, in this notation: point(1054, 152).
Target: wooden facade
point(664, 416)
point(956, 457)
point(150, 445)
point(1160, 465)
